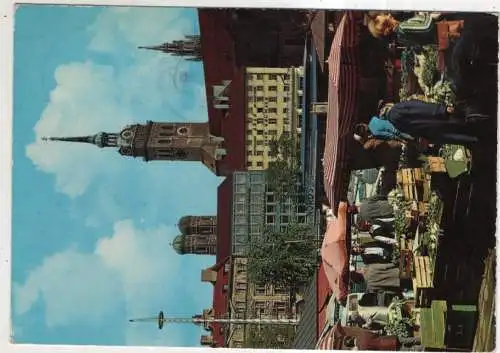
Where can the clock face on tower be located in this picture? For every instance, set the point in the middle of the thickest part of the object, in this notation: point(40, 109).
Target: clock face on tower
point(126, 134)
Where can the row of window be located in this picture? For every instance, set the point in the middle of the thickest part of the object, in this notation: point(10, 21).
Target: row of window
point(255, 178)
point(255, 164)
point(252, 99)
point(274, 76)
point(271, 219)
point(243, 189)
point(270, 88)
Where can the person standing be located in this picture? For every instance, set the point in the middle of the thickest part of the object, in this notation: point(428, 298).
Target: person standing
point(437, 123)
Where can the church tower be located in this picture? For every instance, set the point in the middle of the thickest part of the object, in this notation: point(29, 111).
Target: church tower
point(198, 235)
point(189, 47)
point(198, 225)
point(160, 141)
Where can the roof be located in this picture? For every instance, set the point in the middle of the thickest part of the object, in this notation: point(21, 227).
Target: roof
point(313, 314)
point(219, 66)
point(318, 31)
point(306, 335)
point(224, 207)
point(220, 301)
point(323, 295)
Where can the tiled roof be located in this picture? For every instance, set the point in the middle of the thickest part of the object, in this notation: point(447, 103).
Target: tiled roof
point(306, 335)
point(219, 66)
point(313, 312)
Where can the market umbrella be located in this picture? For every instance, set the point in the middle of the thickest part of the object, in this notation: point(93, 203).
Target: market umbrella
point(334, 253)
point(343, 87)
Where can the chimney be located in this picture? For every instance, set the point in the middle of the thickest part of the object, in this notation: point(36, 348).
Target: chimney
point(207, 340)
point(208, 275)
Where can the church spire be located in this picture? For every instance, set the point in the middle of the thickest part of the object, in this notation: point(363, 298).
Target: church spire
point(189, 47)
point(101, 139)
point(161, 141)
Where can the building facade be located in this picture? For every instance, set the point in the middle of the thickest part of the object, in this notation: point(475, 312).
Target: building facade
point(249, 300)
point(160, 141)
point(273, 103)
point(256, 208)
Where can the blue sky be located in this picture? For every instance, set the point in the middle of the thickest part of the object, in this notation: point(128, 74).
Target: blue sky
point(91, 229)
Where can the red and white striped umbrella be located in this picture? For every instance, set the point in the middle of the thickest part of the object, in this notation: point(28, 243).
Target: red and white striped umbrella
point(343, 88)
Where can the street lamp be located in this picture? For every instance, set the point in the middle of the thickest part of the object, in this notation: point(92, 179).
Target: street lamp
point(161, 319)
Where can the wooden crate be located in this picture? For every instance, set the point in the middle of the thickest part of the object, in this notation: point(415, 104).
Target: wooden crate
point(436, 164)
point(422, 280)
point(433, 325)
point(411, 181)
point(423, 208)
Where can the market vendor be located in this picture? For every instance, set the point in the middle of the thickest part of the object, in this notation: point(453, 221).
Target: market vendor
point(417, 31)
point(382, 277)
point(437, 123)
point(372, 208)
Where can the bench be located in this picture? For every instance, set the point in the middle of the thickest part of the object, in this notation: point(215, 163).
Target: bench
point(422, 281)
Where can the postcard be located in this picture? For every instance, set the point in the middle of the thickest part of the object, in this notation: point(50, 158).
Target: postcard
point(254, 178)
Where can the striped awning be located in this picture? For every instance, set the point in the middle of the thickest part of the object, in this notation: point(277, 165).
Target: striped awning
point(343, 84)
point(328, 341)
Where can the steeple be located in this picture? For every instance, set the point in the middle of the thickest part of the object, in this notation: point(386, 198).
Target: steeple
point(101, 139)
point(163, 141)
point(189, 47)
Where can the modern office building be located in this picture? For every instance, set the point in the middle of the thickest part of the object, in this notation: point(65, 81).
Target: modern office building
point(255, 208)
point(273, 97)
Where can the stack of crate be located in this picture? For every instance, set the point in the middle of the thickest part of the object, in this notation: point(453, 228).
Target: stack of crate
point(422, 281)
point(416, 186)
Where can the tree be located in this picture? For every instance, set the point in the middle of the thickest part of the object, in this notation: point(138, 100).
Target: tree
point(283, 259)
point(270, 336)
point(284, 170)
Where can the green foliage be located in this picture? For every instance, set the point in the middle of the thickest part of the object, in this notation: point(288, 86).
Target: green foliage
point(400, 206)
point(437, 91)
point(407, 65)
point(400, 328)
point(441, 93)
point(430, 228)
point(270, 336)
point(286, 259)
point(430, 72)
point(283, 173)
point(400, 324)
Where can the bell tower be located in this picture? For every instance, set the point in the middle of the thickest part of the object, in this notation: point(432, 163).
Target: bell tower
point(198, 235)
point(161, 141)
point(198, 225)
point(189, 47)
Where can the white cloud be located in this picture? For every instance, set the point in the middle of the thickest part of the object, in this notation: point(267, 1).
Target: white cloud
point(89, 97)
point(138, 26)
point(131, 267)
point(84, 101)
